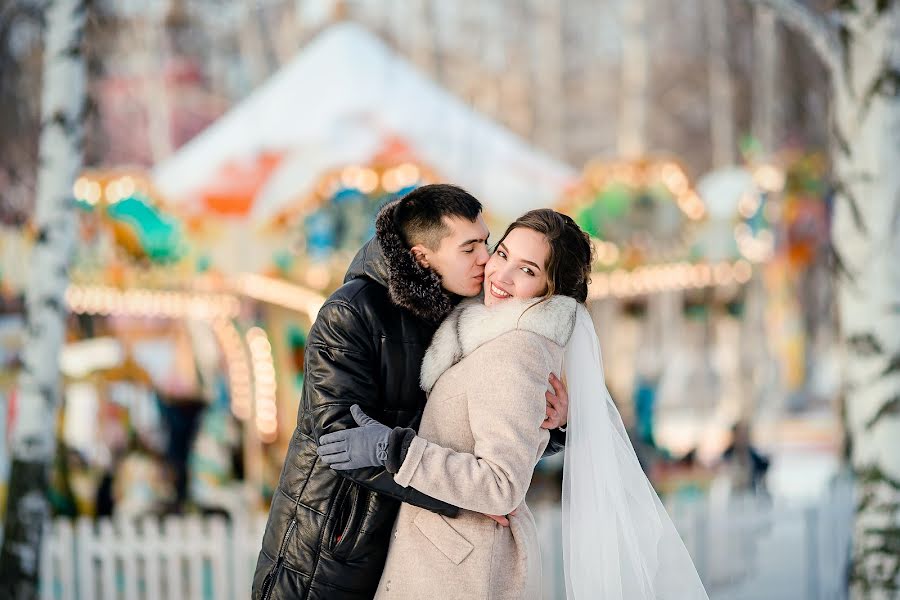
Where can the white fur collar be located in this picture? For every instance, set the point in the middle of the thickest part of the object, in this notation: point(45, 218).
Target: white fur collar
point(472, 324)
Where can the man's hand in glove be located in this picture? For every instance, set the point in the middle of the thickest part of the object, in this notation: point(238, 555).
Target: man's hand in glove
point(358, 447)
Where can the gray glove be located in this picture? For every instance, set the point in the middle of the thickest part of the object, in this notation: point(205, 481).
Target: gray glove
point(355, 448)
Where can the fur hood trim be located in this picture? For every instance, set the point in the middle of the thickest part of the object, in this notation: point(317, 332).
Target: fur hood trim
point(410, 285)
point(473, 324)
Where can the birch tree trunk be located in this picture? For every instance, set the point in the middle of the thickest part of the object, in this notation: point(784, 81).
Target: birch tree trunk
point(860, 43)
point(33, 436)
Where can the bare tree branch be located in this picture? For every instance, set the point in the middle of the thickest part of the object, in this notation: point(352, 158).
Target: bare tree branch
point(815, 28)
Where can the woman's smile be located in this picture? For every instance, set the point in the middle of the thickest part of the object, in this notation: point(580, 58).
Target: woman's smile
point(498, 292)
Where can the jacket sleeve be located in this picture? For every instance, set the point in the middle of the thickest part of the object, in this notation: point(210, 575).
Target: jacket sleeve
point(505, 410)
point(557, 443)
point(341, 369)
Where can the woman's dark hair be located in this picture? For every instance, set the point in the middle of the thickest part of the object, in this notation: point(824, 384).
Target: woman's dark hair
point(571, 252)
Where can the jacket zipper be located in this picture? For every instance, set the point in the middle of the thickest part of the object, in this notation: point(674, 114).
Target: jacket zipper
point(269, 583)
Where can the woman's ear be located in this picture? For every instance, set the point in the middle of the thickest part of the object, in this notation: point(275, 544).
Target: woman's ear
point(420, 254)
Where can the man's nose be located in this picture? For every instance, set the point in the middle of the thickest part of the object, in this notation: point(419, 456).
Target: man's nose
point(482, 256)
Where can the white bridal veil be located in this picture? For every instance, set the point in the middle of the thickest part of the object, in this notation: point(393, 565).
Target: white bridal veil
point(618, 541)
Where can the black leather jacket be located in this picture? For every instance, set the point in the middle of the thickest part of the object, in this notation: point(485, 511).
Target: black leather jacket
point(328, 532)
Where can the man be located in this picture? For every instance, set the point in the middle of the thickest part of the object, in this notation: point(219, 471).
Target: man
point(328, 533)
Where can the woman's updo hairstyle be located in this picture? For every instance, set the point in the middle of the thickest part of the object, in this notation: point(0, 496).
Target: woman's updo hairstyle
point(571, 253)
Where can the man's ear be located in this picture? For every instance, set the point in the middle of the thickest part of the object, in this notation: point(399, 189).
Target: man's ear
point(420, 254)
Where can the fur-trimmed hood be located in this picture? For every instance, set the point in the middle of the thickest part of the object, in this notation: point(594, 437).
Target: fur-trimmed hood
point(387, 260)
point(473, 324)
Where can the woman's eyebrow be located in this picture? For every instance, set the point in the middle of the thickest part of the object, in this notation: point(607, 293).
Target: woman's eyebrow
point(527, 262)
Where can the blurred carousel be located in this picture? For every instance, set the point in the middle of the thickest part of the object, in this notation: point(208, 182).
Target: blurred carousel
point(693, 296)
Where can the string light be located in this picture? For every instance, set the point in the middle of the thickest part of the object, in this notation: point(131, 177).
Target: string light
point(407, 174)
point(110, 186)
point(769, 178)
point(87, 190)
point(743, 271)
point(722, 274)
point(138, 302)
point(643, 173)
point(126, 186)
point(282, 293)
point(264, 384)
point(237, 365)
point(691, 204)
point(755, 248)
point(113, 192)
point(674, 178)
point(668, 277)
point(388, 175)
point(348, 176)
point(606, 252)
point(363, 179)
point(389, 181)
point(748, 205)
point(367, 181)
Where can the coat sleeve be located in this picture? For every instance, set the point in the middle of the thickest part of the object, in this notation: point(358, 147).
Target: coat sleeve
point(341, 370)
point(506, 409)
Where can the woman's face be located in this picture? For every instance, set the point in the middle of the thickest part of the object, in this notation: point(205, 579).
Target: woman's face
point(517, 268)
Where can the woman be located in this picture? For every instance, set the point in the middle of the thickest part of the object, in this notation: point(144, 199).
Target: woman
point(486, 373)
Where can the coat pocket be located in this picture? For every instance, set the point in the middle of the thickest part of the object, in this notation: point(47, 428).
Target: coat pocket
point(346, 516)
point(446, 539)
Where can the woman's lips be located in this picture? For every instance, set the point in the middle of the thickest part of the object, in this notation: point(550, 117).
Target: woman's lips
point(499, 293)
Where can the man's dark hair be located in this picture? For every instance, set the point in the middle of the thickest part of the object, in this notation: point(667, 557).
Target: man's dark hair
point(420, 214)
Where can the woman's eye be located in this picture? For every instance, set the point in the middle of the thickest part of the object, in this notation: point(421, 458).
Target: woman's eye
point(529, 271)
point(501, 254)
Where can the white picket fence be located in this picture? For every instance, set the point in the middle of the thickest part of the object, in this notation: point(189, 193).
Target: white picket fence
point(177, 558)
point(749, 549)
point(746, 550)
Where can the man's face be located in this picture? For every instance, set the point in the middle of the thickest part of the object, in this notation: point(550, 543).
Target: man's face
point(461, 256)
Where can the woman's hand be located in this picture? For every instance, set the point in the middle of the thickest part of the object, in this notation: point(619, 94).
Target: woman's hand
point(502, 519)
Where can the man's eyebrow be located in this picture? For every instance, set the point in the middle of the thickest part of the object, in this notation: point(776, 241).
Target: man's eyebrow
point(527, 262)
point(475, 241)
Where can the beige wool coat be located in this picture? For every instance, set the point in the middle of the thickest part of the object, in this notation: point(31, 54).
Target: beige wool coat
point(485, 372)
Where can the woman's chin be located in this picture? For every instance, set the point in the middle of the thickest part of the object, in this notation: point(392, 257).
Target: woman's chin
point(492, 300)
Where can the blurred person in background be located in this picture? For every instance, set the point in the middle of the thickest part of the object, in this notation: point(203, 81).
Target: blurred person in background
point(744, 464)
